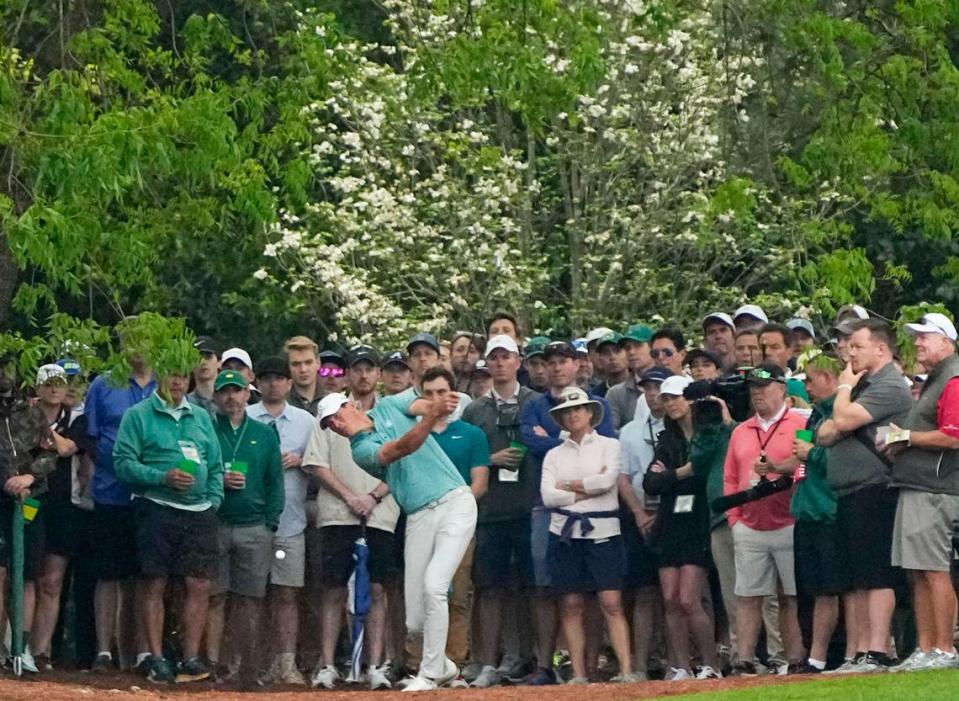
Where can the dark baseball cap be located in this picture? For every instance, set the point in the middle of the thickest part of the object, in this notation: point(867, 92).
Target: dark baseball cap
point(396, 358)
point(205, 344)
point(766, 374)
point(426, 338)
point(703, 353)
point(329, 356)
point(272, 365)
point(564, 348)
point(536, 346)
point(655, 375)
point(358, 354)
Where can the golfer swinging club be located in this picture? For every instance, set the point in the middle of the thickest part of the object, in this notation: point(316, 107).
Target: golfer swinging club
point(390, 444)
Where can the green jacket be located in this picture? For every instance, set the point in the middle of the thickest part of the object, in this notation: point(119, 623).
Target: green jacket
point(151, 442)
point(814, 499)
point(262, 499)
point(707, 453)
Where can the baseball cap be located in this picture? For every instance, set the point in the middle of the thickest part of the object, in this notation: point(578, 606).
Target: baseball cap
point(273, 365)
point(481, 366)
point(753, 310)
point(423, 337)
point(597, 334)
point(360, 353)
point(846, 327)
point(611, 337)
point(536, 346)
point(655, 375)
point(205, 344)
point(329, 405)
point(766, 374)
point(237, 354)
point(50, 371)
point(228, 378)
point(801, 324)
point(675, 385)
point(851, 311)
point(396, 358)
point(703, 353)
point(721, 317)
point(504, 342)
point(564, 348)
point(639, 333)
point(934, 322)
point(70, 366)
point(581, 346)
point(329, 356)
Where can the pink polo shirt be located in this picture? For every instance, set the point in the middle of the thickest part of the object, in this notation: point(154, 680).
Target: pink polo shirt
point(745, 445)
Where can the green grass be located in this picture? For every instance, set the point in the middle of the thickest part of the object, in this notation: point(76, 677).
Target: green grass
point(877, 687)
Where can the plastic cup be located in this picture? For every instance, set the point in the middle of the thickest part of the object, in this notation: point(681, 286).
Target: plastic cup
point(188, 466)
point(240, 467)
point(805, 435)
point(516, 445)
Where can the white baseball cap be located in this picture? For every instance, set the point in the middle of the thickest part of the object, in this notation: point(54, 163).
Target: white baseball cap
point(675, 385)
point(236, 354)
point(934, 322)
point(803, 324)
point(329, 405)
point(753, 310)
point(507, 343)
point(597, 334)
point(719, 316)
point(848, 311)
point(51, 371)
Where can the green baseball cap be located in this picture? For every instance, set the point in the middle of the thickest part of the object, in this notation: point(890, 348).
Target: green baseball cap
point(637, 332)
point(536, 346)
point(229, 377)
point(613, 338)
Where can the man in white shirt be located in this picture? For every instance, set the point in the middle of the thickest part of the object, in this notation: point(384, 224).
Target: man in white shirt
point(294, 426)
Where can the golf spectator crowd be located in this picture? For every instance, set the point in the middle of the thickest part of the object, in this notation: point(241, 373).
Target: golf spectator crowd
point(627, 505)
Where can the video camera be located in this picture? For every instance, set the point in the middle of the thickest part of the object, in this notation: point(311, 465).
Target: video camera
point(731, 389)
point(765, 488)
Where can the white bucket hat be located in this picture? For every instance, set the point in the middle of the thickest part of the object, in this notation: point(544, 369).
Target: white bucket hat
point(576, 396)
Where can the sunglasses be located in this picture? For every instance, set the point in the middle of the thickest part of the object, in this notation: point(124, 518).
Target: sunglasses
point(665, 352)
point(331, 372)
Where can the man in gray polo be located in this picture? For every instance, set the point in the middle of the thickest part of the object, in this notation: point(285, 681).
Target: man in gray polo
point(926, 470)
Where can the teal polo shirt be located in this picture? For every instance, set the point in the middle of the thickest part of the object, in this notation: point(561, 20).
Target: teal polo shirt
point(421, 477)
point(466, 445)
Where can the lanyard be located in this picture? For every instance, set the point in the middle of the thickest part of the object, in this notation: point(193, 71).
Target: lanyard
point(239, 439)
point(649, 425)
point(769, 436)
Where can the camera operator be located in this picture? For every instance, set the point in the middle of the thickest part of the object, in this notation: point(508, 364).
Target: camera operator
point(759, 450)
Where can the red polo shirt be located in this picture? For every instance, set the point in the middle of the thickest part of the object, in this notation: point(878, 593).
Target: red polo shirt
point(745, 446)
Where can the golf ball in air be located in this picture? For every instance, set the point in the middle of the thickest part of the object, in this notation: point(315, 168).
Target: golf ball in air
point(280, 555)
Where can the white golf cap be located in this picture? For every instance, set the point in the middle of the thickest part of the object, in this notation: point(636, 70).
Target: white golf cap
point(597, 334)
point(329, 405)
point(507, 343)
point(753, 310)
point(51, 371)
point(722, 317)
point(934, 322)
point(236, 354)
point(675, 385)
point(804, 324)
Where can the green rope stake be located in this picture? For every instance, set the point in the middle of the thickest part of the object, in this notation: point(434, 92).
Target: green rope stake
point(16, 594)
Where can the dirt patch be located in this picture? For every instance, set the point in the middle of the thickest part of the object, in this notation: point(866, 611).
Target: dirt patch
point(61, 686)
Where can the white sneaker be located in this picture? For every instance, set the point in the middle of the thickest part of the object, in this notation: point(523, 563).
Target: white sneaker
point(27, 662)
point(578, 681)
point(420, 683)
point(327, 677)
point(940, 660)
point(378, 677)
point(631, 678)
point(847, 667)
point(677, 675)
point(488, 676)
point(708, 672)
point(916, 661)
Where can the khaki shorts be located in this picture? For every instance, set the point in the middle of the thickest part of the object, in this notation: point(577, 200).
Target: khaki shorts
point(245, 554)
point(761, 556)
point(291, 569)
point(922, 531)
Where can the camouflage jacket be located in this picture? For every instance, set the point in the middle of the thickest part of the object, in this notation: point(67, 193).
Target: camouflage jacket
point(22, 451)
